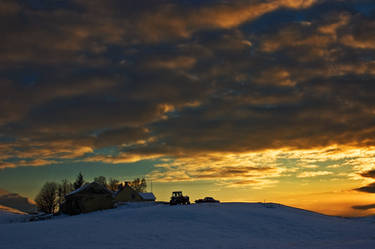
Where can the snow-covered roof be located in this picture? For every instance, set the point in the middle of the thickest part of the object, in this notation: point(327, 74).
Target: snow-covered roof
point(78, 189)
point(99, 188)
point(147, 196)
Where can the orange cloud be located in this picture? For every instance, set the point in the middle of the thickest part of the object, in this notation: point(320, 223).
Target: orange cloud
point(121, 158)
point(313, 174)
point(9, 8)
point(170, 22)
point(180, 62)
point(27, 163)
point(351, 41)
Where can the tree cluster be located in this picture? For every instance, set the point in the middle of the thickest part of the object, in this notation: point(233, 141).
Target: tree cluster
point(52, 195)
point(139, 185)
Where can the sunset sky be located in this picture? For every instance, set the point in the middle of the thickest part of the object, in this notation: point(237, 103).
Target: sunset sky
point(242, 100)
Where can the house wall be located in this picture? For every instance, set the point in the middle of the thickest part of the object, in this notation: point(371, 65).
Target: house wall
point(87, 203)
point(128, 194)
point(88, 199)
point(98, 202)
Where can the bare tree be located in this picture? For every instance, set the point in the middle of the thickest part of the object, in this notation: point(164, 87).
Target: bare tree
point(139, 185)
point(46, 200)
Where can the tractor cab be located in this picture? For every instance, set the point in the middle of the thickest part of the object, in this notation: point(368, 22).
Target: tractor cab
point(177, 194)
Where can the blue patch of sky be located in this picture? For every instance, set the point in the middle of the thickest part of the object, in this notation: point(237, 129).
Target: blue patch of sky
point(24, 76)
point(319, 10)
point(29, 79)
point(367, 8)
point(111, 150)
point(117, 54)
point(7, 139)
point(273, 20)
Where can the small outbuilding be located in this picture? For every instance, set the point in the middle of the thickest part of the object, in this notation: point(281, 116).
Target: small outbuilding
point(147, 196)
point(90, 197)
point(128, 194)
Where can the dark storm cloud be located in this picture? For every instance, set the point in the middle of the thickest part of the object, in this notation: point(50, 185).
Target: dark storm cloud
point(364, 207)
point(367, 189)
point(370, 174)
point(317, 96)
point(55, 35)
point(178, 78)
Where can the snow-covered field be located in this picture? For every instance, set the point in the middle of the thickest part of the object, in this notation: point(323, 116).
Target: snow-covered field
point(228, 225)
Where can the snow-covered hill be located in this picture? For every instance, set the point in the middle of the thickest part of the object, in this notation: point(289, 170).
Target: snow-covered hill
point(227, 225)
point(15, 201)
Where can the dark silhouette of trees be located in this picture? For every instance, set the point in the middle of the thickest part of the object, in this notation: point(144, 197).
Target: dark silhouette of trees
point(139, 185)
point(101, 180)
point(46, 200)
point(64, 188)
point(79, 181)
point(113, 184)
point(52, 195)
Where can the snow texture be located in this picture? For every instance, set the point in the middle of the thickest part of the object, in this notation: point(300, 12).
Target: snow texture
point(226, 225)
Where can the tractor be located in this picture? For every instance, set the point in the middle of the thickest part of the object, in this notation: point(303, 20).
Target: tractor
point(178, 198)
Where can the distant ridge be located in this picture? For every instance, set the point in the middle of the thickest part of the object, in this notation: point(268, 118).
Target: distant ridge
point(3, 192)
point(17, 202)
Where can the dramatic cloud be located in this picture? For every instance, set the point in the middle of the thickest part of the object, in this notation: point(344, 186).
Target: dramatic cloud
point(367, 189)
point(246, 92)
point(370, 188)
point(370, 174)
point(313, 174)
point(364, 207)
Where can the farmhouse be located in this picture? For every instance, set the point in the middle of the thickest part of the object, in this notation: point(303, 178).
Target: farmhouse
point(88, 198)
point(128, 194)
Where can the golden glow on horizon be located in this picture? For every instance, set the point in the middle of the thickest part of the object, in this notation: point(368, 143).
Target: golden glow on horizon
point(260, 175)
